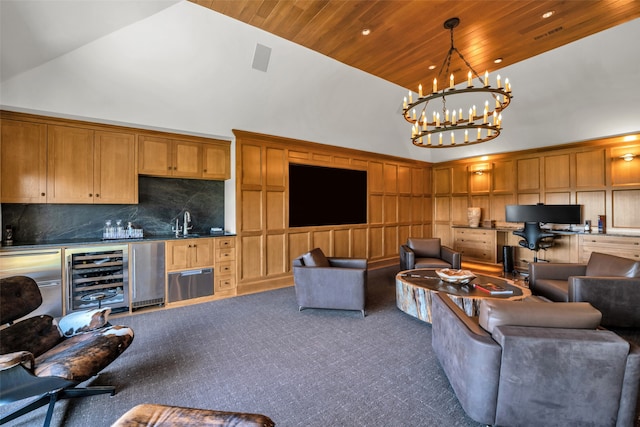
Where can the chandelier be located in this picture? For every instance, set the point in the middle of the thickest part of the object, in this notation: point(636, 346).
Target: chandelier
point(459, 127)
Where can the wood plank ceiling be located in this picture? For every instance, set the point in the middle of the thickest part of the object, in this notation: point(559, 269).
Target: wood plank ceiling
point(407, 36)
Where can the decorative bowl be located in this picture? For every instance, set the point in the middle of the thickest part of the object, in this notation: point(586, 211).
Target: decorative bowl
point(459, 277)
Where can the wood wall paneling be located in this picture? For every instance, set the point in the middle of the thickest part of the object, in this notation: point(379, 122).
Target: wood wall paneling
point(480, 183)
point(459, 179)
point(276, 210)
point(557, 172)
point(390, 209)
point(275, 167)
point(502, 176)
point(251, 207)
point(498, 207)
point(391, 247)
point(253, 254)
point(418, 183)
point(376, 177)
point(528, 174)
point(624, 202)
point(375, 209)
point(341, 243)
point(459, 205)
point(559, 198)
point(590, 168)
point(251, 165)
point(390, 178)
point(276, 260)
point(442, 211)
point(528, 199)
point(404, 209)
point(376, 242)
point(593, 204)
point(360, 243)
point(442, 181)
point(404, 180)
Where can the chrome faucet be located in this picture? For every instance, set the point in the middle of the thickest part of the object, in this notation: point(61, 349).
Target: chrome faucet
point(185, 224)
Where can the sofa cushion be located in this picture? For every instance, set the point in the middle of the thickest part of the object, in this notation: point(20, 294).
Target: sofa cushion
point(552, 289)
point(605, 265)
point(431, 263)
point(315, 258)
point(425, 248)
point(570, 315)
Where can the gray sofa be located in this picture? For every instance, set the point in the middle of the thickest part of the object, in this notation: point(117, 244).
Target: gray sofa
point(536, 363)
point(330, 282)
point(610, 283)
point(428, 253)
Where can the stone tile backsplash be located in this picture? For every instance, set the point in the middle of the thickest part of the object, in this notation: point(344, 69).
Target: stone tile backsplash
point(160, 202)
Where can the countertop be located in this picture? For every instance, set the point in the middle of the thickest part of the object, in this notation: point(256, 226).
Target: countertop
point(550, 230)
point(20, 245)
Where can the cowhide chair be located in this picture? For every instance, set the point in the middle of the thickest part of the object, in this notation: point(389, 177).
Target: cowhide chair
point(49, 359)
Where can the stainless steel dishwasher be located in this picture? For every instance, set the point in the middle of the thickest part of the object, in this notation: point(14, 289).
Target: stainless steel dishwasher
point(146, 261)
point(45, 267)
point(190, 284)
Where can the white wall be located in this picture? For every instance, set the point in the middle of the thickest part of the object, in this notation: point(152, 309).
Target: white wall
point(188, 69)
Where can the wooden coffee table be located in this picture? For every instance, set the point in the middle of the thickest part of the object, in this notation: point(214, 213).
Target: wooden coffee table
point(415, 288)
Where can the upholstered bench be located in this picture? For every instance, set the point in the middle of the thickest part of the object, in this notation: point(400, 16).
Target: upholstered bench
point(147, 415)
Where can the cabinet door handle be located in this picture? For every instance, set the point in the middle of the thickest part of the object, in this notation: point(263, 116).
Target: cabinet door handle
point(42, 194)
point(204, 170)
point(169, 168)
point(97, 195)
point(90, 195)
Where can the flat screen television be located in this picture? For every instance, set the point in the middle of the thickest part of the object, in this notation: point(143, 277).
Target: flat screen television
point(555, 214)
point(320, 195)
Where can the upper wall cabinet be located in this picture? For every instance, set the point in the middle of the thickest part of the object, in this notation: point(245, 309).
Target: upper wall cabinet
point(62, 164)
point(183, 159)
point(23, 153)
point(86, 166)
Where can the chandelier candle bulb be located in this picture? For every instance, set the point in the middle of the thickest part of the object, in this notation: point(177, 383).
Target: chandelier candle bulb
point(438, 120)
point(486, 78)
point(410, 98)
point(469, 79)
point(453, 139)
point(429, 139)
point(466, 135)
point(475, 114)
point(470, 115)
point(478, 137)
point(454, 117)
point(404, 103)
point(460, 114)
point(451, 84)
point(507, 85)
point(420, 90)
point(498, 80)
point(446, 116)
point(440, 139)
point(435, 85)
point(414, 114)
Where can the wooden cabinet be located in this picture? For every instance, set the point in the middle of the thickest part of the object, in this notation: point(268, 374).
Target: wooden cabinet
point(23, 156)
point(183, 159)
point(216, 161)
point(86, 166)
point(225, 266)
point(478, 244)
point(624, 246)
point(183, 254)
point(62, 164)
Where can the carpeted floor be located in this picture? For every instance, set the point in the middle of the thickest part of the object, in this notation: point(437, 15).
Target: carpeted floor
point(257, 353)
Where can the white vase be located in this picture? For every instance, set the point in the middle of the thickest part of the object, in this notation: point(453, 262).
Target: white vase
point(473, 215)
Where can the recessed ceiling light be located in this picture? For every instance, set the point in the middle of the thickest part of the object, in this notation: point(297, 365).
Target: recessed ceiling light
point(548, 14)
point(366, 32)
point(432, 67)
point(497, 60)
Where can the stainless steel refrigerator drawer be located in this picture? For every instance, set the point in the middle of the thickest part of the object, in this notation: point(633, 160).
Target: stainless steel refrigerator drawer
point(190, 284)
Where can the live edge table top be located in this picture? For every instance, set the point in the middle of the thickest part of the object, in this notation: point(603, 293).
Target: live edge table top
point(415, 288)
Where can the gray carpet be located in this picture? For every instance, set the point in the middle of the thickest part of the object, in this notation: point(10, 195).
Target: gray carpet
point(257, 353)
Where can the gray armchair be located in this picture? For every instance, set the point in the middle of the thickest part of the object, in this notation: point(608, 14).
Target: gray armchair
point(330, 282)
point(610, 283)
point(428, 253)
point(536, 363)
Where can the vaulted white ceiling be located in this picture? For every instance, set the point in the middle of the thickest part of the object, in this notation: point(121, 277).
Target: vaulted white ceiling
point(177, 66)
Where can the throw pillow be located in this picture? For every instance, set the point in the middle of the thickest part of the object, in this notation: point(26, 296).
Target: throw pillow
point(315, 258)
point(84, 321)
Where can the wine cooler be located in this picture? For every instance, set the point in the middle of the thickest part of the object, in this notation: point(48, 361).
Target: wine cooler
point(98, 277)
